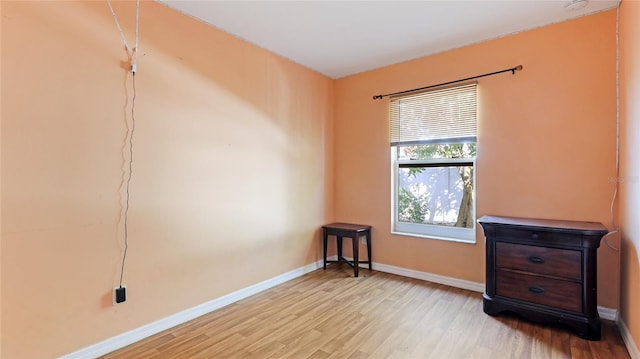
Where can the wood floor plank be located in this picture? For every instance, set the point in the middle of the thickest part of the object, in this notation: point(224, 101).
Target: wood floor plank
point(264, 351)
point(330, 314)
point(319, 354)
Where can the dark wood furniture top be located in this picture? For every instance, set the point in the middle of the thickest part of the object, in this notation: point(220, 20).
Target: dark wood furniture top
point(349, 230)
point(544, 270)
point(553, 225)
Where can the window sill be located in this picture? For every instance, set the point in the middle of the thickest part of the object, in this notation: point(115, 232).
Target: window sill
point(441, 238)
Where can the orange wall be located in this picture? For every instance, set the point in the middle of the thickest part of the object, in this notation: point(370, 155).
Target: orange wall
point(630, 166)
point(546, 141)
point(232, 176)
point(235, 153)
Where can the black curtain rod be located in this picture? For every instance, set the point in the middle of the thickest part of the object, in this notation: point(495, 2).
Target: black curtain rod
point(513, 72)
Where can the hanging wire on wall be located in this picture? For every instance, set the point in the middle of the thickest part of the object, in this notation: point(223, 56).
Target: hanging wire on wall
point(617, 179)
point(132, 58)
point(131, 53)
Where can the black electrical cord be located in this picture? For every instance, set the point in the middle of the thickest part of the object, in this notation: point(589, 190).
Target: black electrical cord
point(128, 196)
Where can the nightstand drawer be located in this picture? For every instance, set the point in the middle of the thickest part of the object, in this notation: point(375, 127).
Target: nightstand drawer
point(563, 263)
point(569, 239)
point(541, 290)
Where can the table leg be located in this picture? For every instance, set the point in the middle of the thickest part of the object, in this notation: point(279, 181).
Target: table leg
point(356, 261)
point(324, 247)
point(369, 250)
point(339, 243)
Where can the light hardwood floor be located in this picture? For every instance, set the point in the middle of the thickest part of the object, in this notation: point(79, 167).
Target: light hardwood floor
point(330, 314)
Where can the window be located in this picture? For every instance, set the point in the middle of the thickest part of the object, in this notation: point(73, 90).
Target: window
point(433, 150)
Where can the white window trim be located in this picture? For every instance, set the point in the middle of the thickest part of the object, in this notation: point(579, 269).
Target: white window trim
point(464, 235)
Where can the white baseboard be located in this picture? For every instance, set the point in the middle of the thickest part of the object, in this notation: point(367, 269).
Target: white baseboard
point(430, 277)
point(608, 313)
point(132, 336)
point(632, 348)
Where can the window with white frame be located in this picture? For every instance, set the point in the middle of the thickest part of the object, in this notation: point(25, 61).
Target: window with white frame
point(433, 151)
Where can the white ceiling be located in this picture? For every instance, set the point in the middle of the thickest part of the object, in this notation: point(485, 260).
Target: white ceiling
point(340, 38)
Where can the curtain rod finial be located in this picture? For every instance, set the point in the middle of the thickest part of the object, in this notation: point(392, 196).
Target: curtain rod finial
point(517, 68)
point(377, 97)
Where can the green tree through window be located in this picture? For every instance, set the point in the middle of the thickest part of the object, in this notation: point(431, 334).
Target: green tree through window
point(413, 206)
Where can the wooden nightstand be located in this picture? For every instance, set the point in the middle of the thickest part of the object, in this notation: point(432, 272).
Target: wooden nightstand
point(543, 270)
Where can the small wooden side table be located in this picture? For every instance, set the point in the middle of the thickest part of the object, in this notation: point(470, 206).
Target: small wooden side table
point(353, 231)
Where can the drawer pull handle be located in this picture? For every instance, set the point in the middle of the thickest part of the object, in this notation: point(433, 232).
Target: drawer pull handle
point(536, 260)
point(536, 290)
point(534, 236)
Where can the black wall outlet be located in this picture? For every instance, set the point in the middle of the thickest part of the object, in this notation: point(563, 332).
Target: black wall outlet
point(120, 294)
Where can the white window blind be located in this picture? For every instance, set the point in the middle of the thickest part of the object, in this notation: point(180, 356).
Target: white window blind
point(440, 116)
